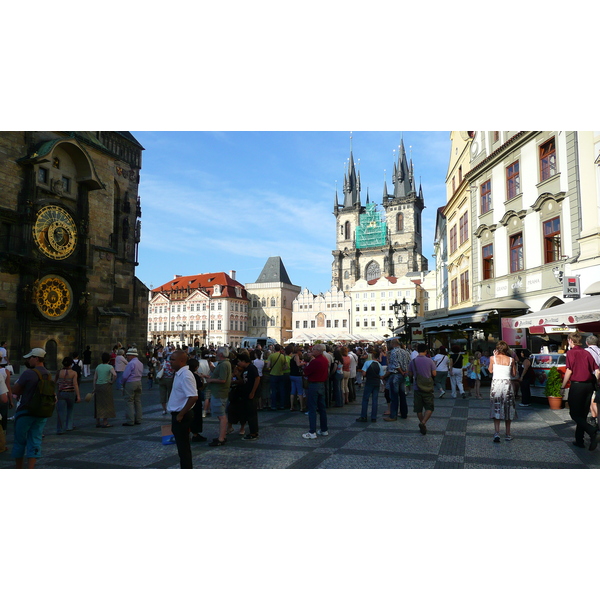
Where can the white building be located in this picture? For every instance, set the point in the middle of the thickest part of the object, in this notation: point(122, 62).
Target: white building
point(324, 317)
point(209, 307)
point(372, 303)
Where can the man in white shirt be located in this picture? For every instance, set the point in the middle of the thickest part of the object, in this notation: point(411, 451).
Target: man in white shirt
point(184, 395)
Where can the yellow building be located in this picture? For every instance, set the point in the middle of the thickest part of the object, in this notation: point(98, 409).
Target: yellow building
point(458, 222)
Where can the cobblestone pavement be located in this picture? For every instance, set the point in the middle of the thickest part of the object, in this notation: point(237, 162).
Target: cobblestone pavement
point(459, 436)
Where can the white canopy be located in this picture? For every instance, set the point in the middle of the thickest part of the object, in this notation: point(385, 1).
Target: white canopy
point(580, 313)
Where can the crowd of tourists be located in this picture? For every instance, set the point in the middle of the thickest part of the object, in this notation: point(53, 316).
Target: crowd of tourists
point(235, 385)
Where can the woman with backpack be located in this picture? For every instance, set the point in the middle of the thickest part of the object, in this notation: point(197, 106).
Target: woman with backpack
point(441, 369)
point(372, 372)
point(456, 371)
point(67, 393)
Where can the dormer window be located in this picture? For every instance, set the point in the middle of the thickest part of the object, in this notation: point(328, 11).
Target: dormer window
point(217, 290)
point(238, 292)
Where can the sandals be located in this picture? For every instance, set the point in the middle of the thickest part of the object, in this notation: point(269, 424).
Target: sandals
point(217, 442)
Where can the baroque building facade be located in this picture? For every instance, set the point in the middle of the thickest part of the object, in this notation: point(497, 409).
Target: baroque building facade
point(70, 224)
point(210, 308)
point(534, 226)
point(271, 299)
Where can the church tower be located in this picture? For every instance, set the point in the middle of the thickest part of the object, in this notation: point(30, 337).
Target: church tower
point(347, 217)
point(403, 211)
point(372, 242)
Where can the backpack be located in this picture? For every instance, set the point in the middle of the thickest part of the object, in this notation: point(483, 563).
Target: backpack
point(373, 371)
point(43, 401)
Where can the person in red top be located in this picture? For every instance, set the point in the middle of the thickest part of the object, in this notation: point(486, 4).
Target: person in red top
point(581, 368)
point(317, 373)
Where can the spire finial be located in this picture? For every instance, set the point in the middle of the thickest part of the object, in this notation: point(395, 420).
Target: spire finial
point(350, 141)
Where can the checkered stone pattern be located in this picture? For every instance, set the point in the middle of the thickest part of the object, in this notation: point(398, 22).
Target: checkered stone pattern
point(459, 436)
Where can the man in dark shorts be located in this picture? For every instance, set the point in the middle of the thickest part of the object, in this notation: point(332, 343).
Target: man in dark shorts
point(423, 371)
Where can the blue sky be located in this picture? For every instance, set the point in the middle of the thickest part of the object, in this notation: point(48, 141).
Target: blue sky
point(220, 201)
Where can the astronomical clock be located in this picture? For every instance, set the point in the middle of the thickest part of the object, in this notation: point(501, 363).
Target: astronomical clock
point(55, 232)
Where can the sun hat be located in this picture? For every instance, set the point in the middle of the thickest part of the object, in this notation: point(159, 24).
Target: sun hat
point(39, 352)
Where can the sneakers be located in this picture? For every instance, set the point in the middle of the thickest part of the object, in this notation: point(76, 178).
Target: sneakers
point(309, 436)
point(361, 420)
point(319, 432)
point(508, 438)
point(250, 437)
point(496, 438)
point(442, 394)
point(524, 405)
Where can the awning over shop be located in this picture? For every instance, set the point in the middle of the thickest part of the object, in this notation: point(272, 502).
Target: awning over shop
point(479, 313)
point(463, 319)
point(583, 313)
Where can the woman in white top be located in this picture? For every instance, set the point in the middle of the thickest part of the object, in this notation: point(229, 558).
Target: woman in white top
point(441, 368)
point(502, 395)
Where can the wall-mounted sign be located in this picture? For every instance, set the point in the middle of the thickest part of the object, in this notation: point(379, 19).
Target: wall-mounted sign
point(571, 286)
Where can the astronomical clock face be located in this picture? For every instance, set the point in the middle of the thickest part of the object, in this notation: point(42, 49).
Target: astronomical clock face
point(53, 297)
point(55, 232)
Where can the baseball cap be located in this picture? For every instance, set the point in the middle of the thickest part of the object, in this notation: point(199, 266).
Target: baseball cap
point(39, 352)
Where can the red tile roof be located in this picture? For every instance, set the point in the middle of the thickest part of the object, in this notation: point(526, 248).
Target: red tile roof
point(205, 282)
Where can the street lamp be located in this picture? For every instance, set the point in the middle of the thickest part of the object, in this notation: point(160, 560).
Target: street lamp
point(401, 313)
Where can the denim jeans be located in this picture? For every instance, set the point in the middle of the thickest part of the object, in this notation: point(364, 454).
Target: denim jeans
point(316, 403)
point(64, 411)
point(277, 392)
point(371, 390)
point(118, 380)
point(338, 399)
point(398, 396)
point(28, 436)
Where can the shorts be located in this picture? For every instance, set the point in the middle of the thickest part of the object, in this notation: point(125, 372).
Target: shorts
point(28, 436)
point(297, 388)
point(422, 400)
point(218, 406)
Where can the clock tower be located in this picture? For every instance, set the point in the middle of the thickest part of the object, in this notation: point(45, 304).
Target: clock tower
point(70, 225)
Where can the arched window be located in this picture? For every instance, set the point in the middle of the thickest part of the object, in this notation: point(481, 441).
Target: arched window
point(254, 322)
point(263, 321)
point(347, 230)
point(400, 222)
point(373, 271)
point(272, 301)
point(263, 302)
